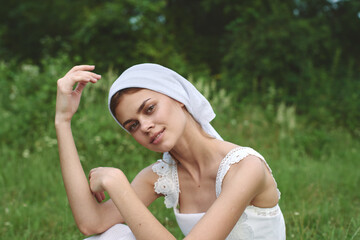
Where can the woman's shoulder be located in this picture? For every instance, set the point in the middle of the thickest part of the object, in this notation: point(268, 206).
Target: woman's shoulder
point(235, 152)
point(157, 172)
point(236, 159)
point(147, 174)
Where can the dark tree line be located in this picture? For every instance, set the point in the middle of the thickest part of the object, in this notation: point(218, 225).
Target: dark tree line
point(306, 52)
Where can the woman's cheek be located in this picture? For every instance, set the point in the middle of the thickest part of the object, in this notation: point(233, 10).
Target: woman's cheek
point(139, 139)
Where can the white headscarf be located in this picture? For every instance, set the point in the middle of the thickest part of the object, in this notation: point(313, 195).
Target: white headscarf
point(164, 80)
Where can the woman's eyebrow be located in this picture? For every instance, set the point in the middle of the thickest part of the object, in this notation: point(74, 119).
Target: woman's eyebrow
point(142, 105)
point(138, 111)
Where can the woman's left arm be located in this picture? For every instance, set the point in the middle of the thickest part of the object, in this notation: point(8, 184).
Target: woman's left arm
point(242, 183)
point(141, 221)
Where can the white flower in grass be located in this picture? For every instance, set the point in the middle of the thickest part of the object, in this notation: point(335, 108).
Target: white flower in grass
point(26, 153)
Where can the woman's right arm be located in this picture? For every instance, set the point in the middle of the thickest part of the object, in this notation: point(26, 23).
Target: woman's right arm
point(82, 202)
point(90, 216)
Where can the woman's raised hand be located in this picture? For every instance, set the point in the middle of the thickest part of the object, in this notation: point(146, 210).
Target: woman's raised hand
point(68, 98)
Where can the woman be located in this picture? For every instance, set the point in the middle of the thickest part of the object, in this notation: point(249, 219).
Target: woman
point(218, 190)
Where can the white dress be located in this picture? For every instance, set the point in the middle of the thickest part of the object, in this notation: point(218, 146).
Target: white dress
point(254, 223)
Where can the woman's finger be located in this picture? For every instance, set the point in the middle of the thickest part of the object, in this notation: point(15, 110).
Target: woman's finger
point(102, 195)
point(83, 76)
point(82, 68)
point(99, 197)
point(66, 84)
point(79, 87)
point(91, 171)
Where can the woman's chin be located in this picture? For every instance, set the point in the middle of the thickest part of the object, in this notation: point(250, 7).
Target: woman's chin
point(160, 148)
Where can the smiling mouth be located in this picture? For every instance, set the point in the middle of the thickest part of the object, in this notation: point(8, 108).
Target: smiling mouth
point(156, 138)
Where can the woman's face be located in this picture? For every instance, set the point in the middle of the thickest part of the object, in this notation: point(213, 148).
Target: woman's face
point(156, 121)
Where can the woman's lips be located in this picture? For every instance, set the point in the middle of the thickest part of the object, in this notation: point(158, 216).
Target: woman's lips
point(157, 137)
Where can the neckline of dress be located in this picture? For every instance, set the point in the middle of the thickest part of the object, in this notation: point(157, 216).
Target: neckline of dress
point(177, 210)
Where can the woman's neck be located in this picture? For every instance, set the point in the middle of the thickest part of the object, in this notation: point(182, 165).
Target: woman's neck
point(198, 153)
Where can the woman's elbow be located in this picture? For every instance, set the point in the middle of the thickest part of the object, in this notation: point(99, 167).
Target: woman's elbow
point(87, 229)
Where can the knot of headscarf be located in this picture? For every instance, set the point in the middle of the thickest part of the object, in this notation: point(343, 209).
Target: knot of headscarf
point(166, 81)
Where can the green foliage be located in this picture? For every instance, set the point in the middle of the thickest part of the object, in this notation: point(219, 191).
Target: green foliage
point(306, 52)
point(272, 49)
point(25, 89)
point(282, 76)
point(33, 28)
point(105, 33)
point(315, 166)
point(122, 32)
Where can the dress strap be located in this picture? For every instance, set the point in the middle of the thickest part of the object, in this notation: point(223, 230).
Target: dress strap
point(235, 156)
point(168, 181)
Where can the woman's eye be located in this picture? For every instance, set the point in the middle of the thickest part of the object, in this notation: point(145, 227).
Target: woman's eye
point(150, 109)
point(133, 126)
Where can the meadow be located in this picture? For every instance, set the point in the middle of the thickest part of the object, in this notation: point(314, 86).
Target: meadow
point(316, 164)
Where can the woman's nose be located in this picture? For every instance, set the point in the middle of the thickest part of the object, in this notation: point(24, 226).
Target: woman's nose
point(146, 125)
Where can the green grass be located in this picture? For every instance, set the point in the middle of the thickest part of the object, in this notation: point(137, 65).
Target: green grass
point(317, 168)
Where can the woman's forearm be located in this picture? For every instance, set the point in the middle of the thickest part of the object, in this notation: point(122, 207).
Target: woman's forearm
point(83, 204)
point(142, 223)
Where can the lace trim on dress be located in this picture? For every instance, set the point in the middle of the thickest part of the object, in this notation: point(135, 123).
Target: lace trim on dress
point(265, 212)
point(168, 181)
point(234, 156)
